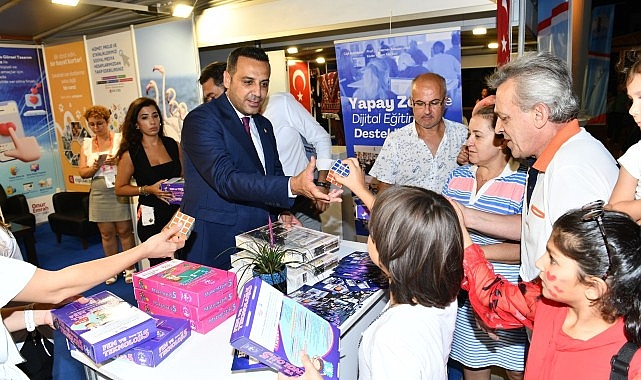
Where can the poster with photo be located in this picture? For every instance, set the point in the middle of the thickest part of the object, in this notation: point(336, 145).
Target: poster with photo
point(375, 76)
point(28, 161)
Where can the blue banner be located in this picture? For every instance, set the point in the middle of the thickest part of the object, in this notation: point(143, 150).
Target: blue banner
point(375, 76)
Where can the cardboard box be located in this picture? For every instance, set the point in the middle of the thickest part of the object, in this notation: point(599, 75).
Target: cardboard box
point(176, 186)
point(203, 326)
point(273, 329)
point(171, 333)
point(104, 327)
point(189, 283)
point(182, 310)
point(306, 243)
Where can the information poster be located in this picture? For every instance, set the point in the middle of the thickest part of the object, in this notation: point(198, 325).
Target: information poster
point(28, 162)
point(113, 74)
point(375, 77)
point(70, 96)
point(168, 64)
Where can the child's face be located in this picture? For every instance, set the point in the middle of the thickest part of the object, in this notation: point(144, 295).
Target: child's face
point(559, 275)
point(634, 93)
point(373, 254)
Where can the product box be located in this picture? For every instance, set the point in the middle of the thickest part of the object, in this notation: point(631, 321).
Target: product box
point(306, 243)
point(105, 326)
point(361, 211)
point(189, 283)
point(245, 363)
point(273, 329)
point(176, 186)
point(203, 326)
point(180, 309)
point(170, 334)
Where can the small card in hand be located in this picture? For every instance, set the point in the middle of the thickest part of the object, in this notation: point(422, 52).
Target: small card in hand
point(338, 168)
point(184, 219)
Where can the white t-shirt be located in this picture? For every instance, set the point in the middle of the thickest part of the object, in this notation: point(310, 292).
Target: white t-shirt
point(14, 276)
point(580, 171)
point(631, 161)
point(9, 246)
point(408, 342)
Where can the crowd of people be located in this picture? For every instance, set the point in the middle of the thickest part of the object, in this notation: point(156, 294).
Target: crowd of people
point(511, 243)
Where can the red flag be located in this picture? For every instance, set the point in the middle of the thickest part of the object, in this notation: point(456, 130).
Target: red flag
point(299, 84)
point(503, 31)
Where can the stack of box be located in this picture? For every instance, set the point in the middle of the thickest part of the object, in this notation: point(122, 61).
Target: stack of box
point(104, 327)
point(317, 250)
point(176, 186)
point(203, 295)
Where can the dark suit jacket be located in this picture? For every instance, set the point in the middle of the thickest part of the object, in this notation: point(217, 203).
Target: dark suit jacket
point(226, 189)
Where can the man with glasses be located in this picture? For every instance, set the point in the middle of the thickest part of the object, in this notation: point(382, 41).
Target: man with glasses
point(423, 152)
point(537, 115)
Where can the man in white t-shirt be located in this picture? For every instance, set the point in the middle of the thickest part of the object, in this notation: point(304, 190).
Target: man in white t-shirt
point(537, 111)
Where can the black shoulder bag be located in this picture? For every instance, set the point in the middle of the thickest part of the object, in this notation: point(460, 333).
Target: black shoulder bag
point(38, 354)
point(621, 361)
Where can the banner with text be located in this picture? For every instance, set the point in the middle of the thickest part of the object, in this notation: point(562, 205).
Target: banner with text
point(112, 70)
point(70, 95)
point(28, 160)
point(375, 76)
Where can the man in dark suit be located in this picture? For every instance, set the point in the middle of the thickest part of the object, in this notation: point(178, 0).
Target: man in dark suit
point(233, 177)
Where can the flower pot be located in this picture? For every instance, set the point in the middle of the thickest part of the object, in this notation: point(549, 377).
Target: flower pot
point(277, 280)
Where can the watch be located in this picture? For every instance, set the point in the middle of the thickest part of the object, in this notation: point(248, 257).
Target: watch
point(326, 185)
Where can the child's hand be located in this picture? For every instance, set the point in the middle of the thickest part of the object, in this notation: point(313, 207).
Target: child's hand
point(311, 373)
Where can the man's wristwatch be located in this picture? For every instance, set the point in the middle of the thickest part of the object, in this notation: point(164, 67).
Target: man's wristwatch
point(326, 185)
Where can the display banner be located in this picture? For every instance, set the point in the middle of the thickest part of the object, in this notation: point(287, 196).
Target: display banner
point(595, 85)
point(554, 28)
point(299, 84)
point(375, 76)
point(168, 64)
point(28, 161)
point(112, 69)
point(70, 95)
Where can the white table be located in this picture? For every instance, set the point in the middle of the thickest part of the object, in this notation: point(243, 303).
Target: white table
point(209, 356)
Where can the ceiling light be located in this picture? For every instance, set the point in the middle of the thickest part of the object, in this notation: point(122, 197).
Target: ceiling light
point(292, 50)
point(182, 10)
point(318, 50)
point(71, 3)
point(320, 60)
point(493, 45)
point(479, 31)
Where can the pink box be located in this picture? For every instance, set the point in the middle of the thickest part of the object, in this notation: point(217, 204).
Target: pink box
point(189, 283)
point(202, 326)
point(183, 310)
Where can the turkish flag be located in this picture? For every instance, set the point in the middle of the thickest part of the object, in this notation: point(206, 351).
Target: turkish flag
point(299, 84)
point(503, 31)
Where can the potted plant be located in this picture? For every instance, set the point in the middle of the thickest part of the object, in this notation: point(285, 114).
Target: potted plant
point(267, 260)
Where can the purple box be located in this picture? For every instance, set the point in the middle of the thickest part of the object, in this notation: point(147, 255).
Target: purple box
point(189, 283)
point(203, 326)
point(182, 310)
point(176, 186)
point(273, 329)
point(171, 333)
point(362, 212)
point(105, 326)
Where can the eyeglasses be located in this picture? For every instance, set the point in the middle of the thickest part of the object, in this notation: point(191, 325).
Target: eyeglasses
point(594, 213)
point(436, 103)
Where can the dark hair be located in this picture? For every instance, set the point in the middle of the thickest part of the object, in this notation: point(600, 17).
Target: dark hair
point(419, 242)
point(487, 113)
point(131, 136)
point(213, 71)
point(245, 51)
point(629, 64)
point(582, 242)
